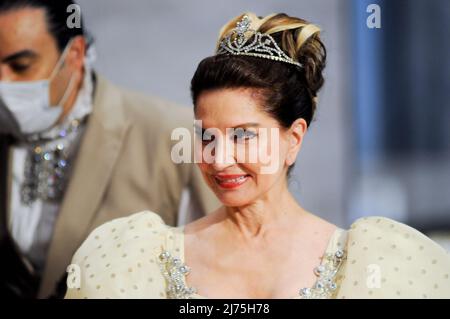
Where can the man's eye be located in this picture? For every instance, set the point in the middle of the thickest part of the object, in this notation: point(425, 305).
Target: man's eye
point(19, 68)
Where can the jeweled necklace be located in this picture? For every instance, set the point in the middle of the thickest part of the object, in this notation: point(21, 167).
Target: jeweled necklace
point(48, 163)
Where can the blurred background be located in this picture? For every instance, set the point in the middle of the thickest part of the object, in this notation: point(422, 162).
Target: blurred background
point(380, 144)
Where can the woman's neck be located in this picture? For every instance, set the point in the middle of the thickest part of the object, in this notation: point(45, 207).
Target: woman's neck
point(276, 210)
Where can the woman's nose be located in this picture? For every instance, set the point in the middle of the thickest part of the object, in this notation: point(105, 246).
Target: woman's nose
point(223, 155)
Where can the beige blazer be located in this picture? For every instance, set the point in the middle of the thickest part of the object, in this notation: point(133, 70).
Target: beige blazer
point(123, 166)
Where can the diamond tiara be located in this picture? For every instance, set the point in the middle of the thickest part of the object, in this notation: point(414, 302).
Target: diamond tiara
point(237, 42)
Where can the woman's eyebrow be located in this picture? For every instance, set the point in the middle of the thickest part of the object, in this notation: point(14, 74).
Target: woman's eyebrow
point(200, 130)
point(250, 124)
point(243, 125)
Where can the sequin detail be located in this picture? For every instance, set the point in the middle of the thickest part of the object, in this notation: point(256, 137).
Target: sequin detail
point(174, 271)
point(326, 272)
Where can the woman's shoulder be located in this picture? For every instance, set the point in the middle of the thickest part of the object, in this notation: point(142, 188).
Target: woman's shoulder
point(111, 261)
point(389, 259)
point(123, 232)
point(383, 231)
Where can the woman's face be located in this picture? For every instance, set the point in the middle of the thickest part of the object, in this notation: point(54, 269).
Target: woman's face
point(244, 153)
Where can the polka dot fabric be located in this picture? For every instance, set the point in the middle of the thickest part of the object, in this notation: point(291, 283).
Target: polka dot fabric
point(387, 259)
point(384, 259)
point(120, 259)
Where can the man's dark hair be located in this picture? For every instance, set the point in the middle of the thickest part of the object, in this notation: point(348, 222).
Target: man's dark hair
point(56, 14)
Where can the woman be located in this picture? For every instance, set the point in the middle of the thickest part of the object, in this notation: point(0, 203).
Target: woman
point(261, 243)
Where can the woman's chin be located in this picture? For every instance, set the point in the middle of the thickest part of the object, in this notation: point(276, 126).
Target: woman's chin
point(234, 200)
point(233, 194)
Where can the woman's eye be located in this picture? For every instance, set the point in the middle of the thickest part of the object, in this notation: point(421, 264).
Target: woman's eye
point(207, 138)
point(204, 137)
point(243, 135)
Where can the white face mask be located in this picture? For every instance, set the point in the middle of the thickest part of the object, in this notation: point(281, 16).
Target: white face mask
point(29, 102)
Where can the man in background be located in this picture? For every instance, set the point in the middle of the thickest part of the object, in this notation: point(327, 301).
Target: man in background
point(75, 150)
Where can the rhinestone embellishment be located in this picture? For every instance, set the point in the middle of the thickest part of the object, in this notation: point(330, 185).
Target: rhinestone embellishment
point(326, 273)
point(242, 40)
point(47, 166)
point(174, 271)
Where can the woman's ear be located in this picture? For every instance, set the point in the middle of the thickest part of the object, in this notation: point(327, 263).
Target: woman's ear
point(296, 133)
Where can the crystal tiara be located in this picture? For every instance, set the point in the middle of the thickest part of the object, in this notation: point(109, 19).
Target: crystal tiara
point(237, 42)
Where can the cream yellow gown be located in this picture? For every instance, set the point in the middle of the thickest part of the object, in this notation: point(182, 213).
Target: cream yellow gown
point(141, 257)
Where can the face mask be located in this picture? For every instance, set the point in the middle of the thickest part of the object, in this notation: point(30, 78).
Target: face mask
point(29, 102)
point(8, 124)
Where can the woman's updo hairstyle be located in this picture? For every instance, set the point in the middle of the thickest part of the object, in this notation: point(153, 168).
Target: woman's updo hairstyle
point(288, 91)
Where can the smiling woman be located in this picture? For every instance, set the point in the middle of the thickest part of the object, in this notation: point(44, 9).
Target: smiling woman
point(260, 243)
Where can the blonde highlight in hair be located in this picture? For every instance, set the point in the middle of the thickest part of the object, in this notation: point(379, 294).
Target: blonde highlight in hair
point(298, 38)
point(286, 91)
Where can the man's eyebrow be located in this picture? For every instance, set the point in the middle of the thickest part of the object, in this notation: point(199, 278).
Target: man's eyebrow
point(20, 55)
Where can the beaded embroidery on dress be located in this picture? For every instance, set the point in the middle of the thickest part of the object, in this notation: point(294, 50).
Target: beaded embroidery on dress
point(175, 271)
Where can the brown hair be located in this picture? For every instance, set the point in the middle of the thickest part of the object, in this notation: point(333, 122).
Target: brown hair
point(288, 91)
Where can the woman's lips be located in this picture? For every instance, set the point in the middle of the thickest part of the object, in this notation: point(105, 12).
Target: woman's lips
point(231, 181)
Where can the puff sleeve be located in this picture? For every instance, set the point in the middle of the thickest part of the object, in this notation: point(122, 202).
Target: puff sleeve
point(388, 259)
point(119, 260)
